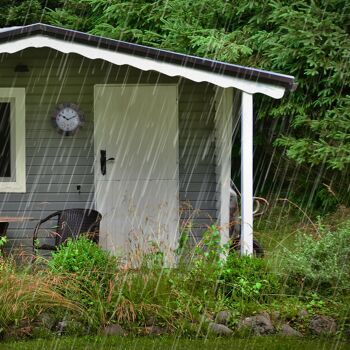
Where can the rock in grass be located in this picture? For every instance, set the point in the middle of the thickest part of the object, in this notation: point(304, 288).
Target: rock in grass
point(156, 330)
point(289, 331)
point(150, 321)
point(114, 329)
point(303, 313)
point(219, 329)
point(61, 327)
point(323, 325)
point(223, 317)
point(47, 320)
point(259, 325)
point(70, 327)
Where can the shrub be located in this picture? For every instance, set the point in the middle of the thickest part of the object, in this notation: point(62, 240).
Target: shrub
point(321, 263)
point(83, 258)
point(247, 278)
point(88, 270)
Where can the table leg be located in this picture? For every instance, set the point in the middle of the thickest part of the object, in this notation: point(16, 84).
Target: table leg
point(3, 228)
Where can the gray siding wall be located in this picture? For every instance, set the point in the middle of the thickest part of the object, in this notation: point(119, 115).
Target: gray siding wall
point(197, 156)
point(56, 164)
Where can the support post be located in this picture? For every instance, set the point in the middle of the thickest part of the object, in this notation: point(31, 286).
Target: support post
point(223, 131)
point(247, 174)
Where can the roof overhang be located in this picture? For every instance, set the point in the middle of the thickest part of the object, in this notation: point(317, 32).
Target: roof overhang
point(146, 58)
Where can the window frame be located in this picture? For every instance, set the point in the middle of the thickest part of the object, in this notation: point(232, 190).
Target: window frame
point(17, 181)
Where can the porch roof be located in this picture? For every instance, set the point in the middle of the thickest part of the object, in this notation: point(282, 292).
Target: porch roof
point(251, 80)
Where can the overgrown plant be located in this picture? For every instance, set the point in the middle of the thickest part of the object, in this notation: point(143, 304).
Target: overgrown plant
point(320, 264)
point(245, 278)
point(88, 271)
point(3, 241)
point(24, 296)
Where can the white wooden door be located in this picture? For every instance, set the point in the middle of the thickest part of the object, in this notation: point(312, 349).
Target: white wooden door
point(137, 126)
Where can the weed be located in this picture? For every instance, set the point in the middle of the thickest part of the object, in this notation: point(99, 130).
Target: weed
point(320, 264)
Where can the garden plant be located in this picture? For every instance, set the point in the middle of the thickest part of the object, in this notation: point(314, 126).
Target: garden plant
point(83, 290)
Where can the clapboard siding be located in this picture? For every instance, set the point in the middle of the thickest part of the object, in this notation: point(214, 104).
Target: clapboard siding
point(56, 165)
point(60, 179)
point(197, 156)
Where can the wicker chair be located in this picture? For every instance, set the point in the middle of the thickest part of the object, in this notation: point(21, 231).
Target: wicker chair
point(70, 224)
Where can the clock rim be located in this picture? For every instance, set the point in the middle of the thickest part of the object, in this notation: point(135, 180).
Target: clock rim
point(71, 105)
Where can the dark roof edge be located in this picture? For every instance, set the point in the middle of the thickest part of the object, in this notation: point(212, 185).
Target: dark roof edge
point(217, 67)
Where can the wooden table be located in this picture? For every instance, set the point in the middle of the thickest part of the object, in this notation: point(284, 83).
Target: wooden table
point(6, 220)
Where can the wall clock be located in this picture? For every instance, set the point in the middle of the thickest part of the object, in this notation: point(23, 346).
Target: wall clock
point(68, 118)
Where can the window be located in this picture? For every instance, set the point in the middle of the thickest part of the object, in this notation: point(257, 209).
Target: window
point(12, 140)
point(5, 145)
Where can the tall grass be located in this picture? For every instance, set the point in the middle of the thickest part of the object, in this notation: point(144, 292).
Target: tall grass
point(85, 284)
point(24, 296)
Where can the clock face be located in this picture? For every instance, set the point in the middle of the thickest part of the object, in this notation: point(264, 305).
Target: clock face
point(68, 119)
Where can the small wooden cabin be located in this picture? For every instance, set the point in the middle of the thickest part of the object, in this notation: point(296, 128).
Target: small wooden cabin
point(132, 131)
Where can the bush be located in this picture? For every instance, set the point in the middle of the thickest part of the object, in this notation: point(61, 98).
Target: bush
point(247, 278)
point(88, 270)
point(83, 258)
point(321, 263)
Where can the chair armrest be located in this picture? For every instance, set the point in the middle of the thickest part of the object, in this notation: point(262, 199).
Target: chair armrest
point(35, 234)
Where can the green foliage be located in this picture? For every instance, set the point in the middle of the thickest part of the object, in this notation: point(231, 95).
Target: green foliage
point(209, 250)
point(15, 12)
point(321, 263)
point(84, 285)
point(82, 257)
point(247, 278)
point(91, 267)
point(3, 241)
point(309, 40)
point(71, 14)
point(203, 263)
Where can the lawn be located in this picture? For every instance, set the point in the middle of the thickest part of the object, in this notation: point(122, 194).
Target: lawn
point(142, 343)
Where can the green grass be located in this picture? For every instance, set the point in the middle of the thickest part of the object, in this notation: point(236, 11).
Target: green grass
point(278, 229)
point(158, 343)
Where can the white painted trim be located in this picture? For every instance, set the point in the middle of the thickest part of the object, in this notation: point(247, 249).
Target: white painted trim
point(223, 130)
point(247, 174)
point(17, 98)
point(142, 63)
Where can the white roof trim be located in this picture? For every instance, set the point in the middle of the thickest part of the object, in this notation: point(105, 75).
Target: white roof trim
point(142, 63)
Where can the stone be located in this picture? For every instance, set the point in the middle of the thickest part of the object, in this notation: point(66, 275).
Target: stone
point(219, 329)
point(303, 313)
point(156, 330)
point(150, 321)
point(322, 325)
point(70, 326)
point(114, 329)
point(289, 331)
point(223, 317)
point(61, 327)
point(259, 325)
point(46, 320)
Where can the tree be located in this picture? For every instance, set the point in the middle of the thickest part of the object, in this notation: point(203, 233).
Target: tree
point(17, 12)
point(307, 39)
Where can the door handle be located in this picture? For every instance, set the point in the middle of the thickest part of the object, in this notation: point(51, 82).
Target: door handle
point(103, 161)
